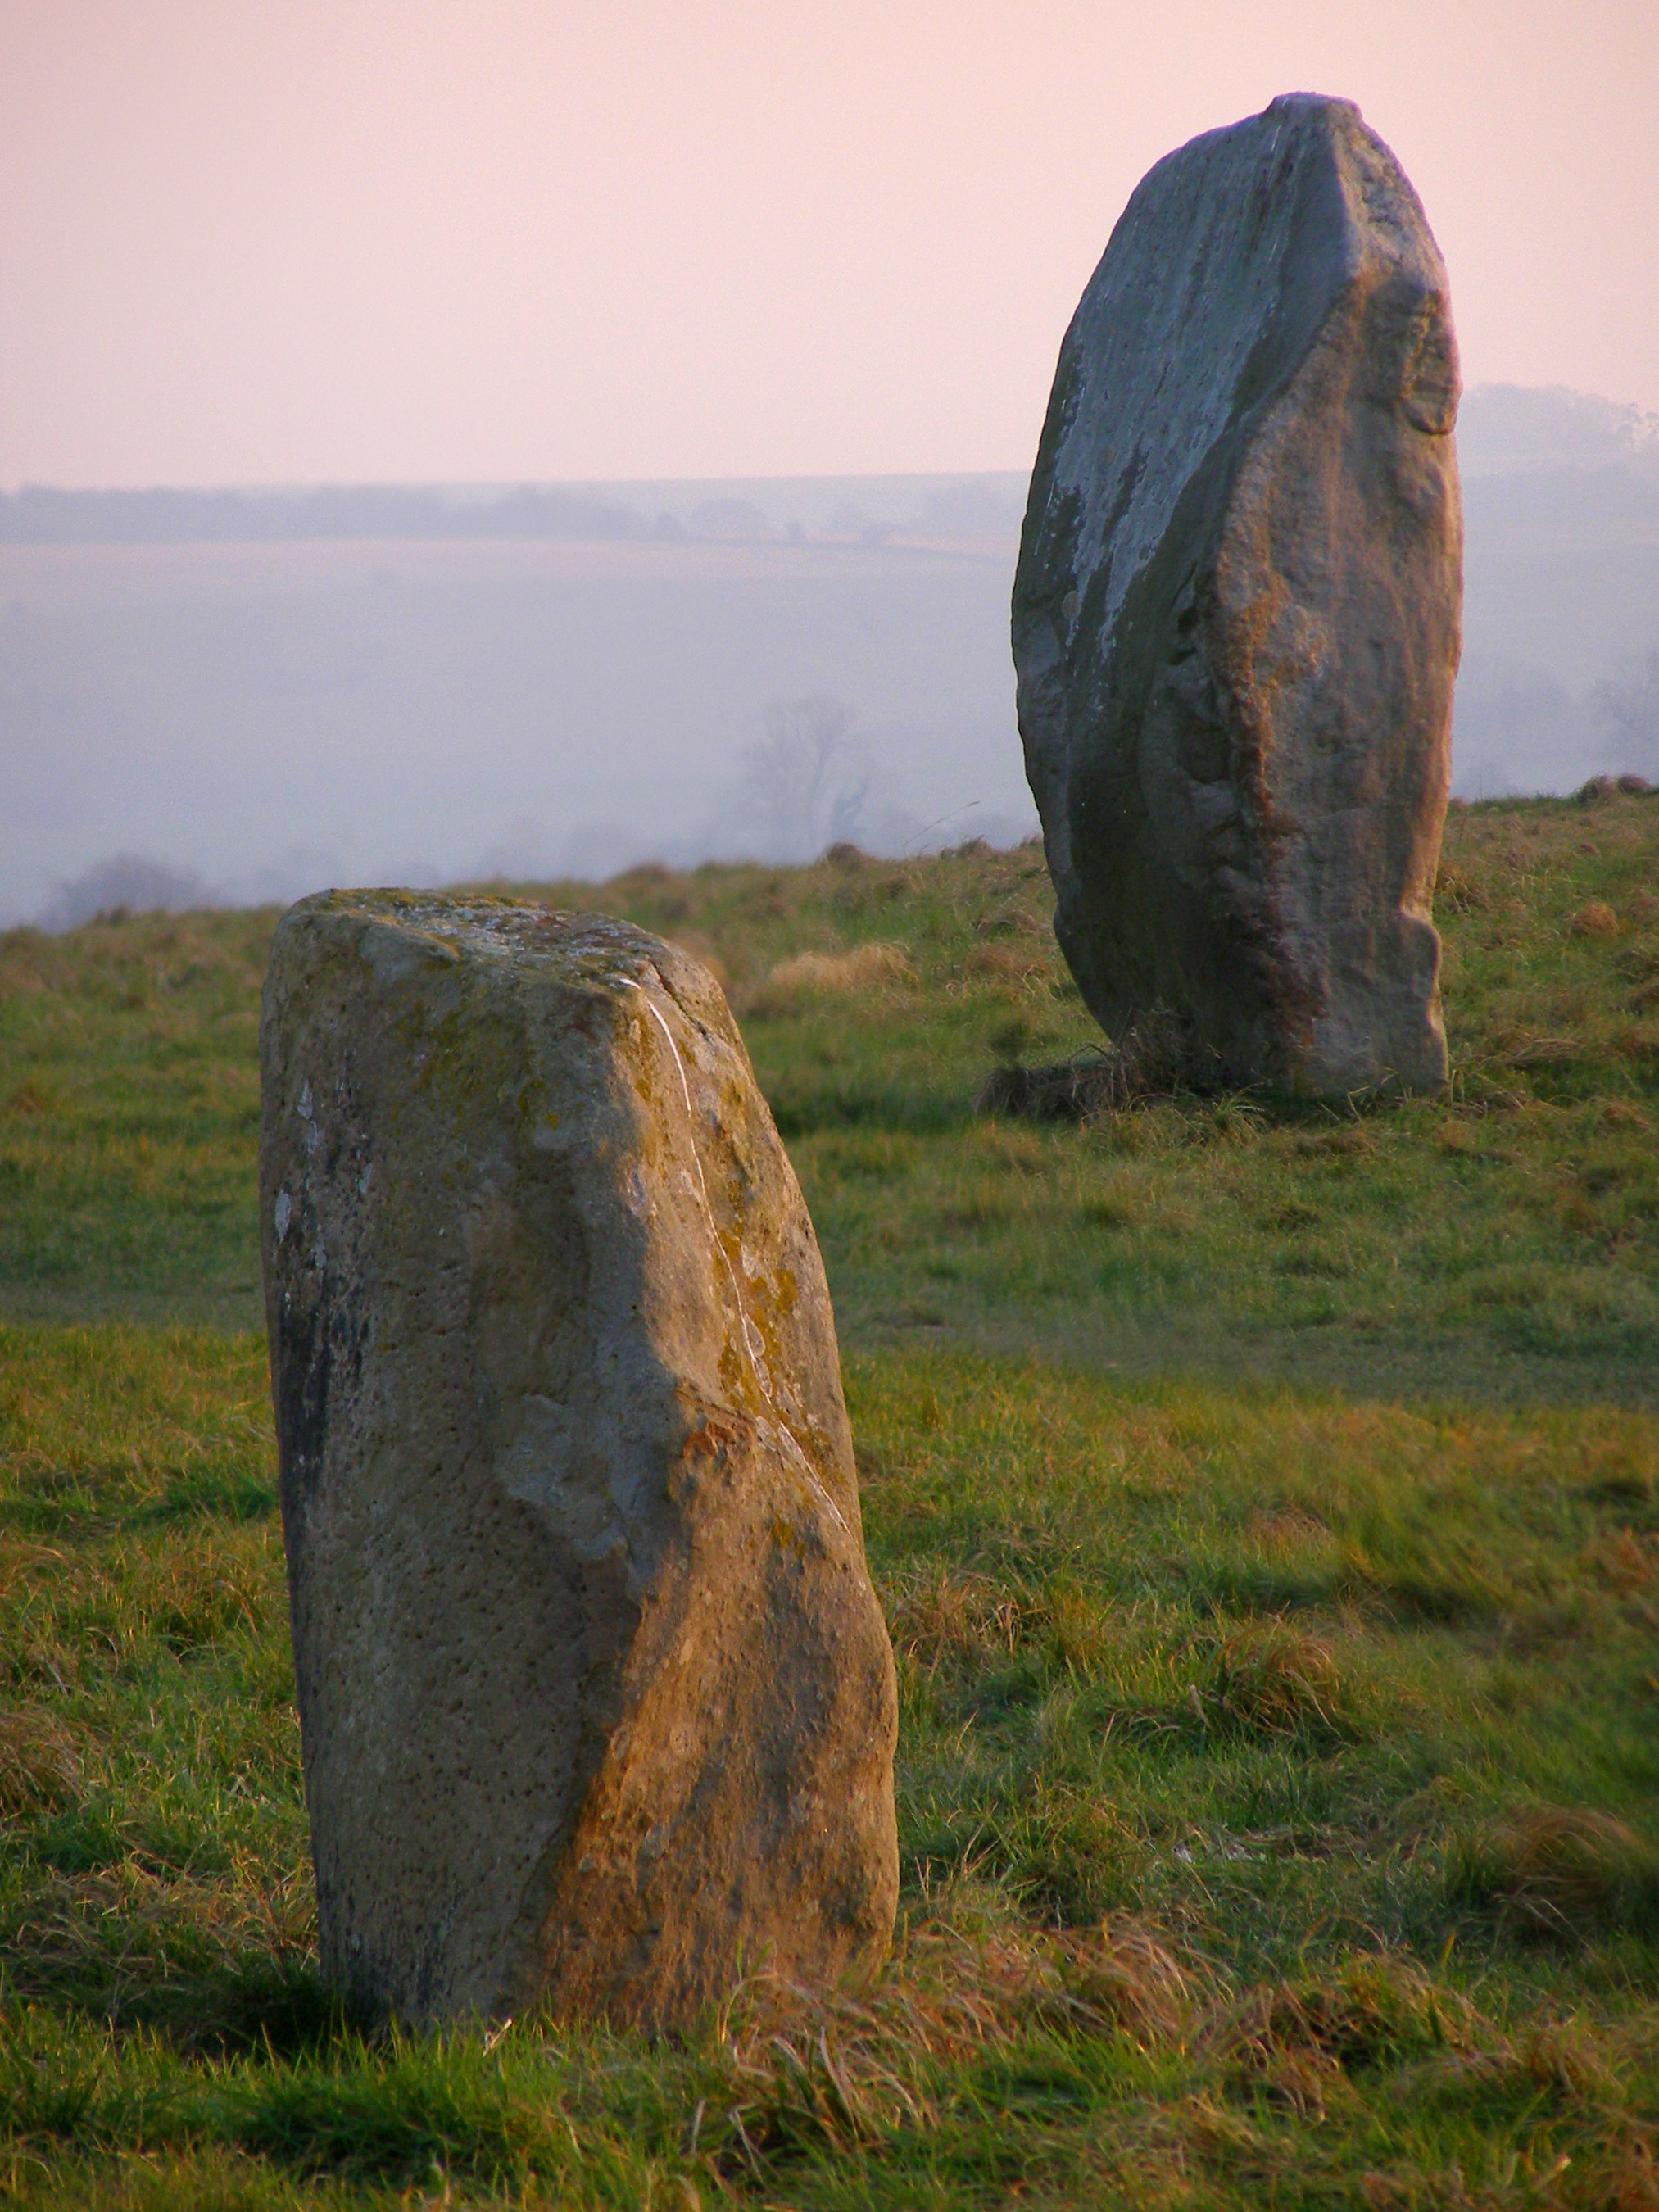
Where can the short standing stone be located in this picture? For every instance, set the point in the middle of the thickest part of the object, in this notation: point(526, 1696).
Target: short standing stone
point(1235, 618)
point(597, 1701)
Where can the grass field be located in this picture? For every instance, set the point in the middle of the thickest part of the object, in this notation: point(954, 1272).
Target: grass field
point(1266, 1503)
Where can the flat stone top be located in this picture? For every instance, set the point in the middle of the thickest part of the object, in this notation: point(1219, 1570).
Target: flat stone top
point(595, 947)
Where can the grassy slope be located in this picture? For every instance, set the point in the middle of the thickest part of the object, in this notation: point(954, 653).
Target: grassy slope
point(1278, 1762)
point(1506, 1245)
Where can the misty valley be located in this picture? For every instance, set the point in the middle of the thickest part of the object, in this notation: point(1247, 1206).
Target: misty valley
point(258, 693)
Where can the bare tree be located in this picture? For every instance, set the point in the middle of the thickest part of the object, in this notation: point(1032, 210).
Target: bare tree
point(1631, 711)
point(124, 883)
point(809, 777)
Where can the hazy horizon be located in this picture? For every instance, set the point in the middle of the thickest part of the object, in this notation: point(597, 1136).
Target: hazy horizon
point(595, 386)
point(564, 680)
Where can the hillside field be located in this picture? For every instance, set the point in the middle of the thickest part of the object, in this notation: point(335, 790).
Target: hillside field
point(1264, 1496)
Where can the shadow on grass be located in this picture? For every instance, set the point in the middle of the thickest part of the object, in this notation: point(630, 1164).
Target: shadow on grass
point(279, 2007)
point(1094, 1085)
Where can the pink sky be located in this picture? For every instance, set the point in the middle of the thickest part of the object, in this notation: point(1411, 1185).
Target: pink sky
point(294, 240)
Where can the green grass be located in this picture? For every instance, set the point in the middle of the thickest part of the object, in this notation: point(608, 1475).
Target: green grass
point(1236, 1733)
point(1266, 1504)
point(1505, 1244)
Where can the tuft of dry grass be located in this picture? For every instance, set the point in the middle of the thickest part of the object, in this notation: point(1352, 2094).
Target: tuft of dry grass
point(1624, 1560)
point(864, 967)
point(1005, 964)
point(1529, 1052)
point(1287, 1528)
point(38, 1768)
point(1270, 1678)
point(1594, 919)
point(1296, 2042)
point(1457, 891)
point(1556, 1874)
point(1620, 2176)
point(953, 1621)
point(949, 1615)
point(849, 2067)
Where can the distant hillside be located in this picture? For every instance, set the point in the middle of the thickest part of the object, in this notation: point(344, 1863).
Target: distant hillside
point(739, 509)
point(40, 516)
point(1519, 429)
point(261, 690)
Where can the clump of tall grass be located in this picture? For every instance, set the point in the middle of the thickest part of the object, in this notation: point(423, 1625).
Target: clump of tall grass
point(1457, 891)
point(949, 1615)
point(1271, 1678)
point(955, 1621)
point(849, 2067)
point(859, 969)
point(38, 1768)
point(1296, 2043)
point(1558, 1875)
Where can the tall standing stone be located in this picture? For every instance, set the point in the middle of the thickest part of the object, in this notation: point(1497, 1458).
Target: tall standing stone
point(1235, 617)
point(597, 1701)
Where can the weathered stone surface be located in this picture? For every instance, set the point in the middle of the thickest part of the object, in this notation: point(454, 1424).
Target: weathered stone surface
point(1235, 617)
point(596, 1699)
